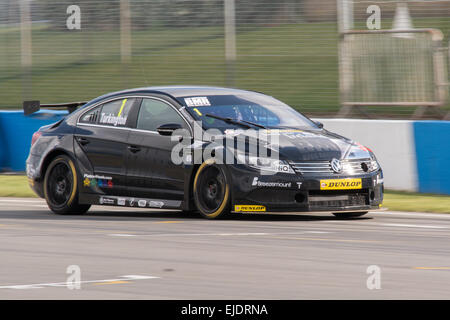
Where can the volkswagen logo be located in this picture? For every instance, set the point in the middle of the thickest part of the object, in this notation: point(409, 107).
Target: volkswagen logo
point(336, 165)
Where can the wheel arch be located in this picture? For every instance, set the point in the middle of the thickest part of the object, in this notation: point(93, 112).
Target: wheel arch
point(50, 157)
point(189, 203)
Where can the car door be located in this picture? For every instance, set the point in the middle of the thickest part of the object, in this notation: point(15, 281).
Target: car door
point(102, 136)
point(151, 172)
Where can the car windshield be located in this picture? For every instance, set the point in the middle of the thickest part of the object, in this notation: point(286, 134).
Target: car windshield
point(247, 108)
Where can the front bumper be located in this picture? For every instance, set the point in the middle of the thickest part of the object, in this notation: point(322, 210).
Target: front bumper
point(252, 192)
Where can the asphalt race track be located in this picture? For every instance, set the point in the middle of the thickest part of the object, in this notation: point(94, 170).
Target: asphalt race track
point(155, 254)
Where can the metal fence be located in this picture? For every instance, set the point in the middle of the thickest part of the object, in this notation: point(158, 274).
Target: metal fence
point(393, 68)
point(65, 50)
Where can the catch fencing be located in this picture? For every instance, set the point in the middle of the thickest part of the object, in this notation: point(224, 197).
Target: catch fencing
point(75, 50)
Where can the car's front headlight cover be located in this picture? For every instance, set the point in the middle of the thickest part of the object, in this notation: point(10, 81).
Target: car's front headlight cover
point(264, 164)
point(359, 153)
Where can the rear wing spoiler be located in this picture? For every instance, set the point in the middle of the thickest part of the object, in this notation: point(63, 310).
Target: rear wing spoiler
point(30, 107)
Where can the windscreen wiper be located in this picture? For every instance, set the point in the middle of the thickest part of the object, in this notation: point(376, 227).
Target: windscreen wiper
point(243, 123)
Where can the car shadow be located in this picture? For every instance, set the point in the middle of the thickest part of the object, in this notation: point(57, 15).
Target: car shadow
point(106, 215)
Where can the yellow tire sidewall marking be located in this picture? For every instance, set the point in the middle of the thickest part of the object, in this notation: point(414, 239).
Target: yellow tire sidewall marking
point(227, 189)
point(75, 181)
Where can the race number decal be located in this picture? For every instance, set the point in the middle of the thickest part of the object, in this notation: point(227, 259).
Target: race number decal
point(197, 102)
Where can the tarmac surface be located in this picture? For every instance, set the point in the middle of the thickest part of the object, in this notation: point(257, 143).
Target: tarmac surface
point(155, 254)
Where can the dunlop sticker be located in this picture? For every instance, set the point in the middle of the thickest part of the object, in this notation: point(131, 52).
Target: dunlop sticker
point(340, 184)
point(249, 208)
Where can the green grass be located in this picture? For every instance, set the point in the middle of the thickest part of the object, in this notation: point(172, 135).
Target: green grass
point(17, 186)
point(296, 63)
point(406, 201)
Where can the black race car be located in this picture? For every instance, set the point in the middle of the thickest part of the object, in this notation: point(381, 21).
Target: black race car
point(206, 149)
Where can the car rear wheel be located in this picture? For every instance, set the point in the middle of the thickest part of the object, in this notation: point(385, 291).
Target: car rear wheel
point(345, 215)
point(211, 191)
point(61, 187)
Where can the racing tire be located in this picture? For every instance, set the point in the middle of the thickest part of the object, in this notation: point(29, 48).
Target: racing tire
point(346, 215)
point(61, 187)
point(212, 191)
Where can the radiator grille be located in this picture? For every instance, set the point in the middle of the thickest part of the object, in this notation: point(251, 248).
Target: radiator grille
point(349, 167)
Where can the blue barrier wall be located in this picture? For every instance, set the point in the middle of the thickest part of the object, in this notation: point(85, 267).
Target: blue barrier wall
point(423, 144)
point(16, 131)
point(414, 155)
point(432, 143)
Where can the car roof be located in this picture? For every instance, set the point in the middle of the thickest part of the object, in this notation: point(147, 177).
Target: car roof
point(183, 91)
point(174, 91)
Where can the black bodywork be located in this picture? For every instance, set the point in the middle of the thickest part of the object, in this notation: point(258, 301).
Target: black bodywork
point(132, 167)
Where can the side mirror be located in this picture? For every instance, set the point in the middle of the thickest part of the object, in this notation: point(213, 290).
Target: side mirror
point(319, 124)
point(168, 129)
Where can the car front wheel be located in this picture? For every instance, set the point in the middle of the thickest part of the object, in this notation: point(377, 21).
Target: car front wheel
point(61, 187)
point(211, 191)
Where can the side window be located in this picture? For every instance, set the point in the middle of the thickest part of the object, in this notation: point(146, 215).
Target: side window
point(154, 113)
point(115, 113)
point(91, 116)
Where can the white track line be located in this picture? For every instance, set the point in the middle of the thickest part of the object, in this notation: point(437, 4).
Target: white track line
point(411, 225)
point(401, 225)
point(211, 234)
point(23, 200)
point(66, 284)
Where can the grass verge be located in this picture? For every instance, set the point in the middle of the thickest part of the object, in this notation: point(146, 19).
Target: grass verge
point(17, 186)
point(419, 202)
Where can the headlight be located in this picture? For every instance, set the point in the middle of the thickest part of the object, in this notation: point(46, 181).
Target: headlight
point(268, 165)
point(373, 165)
point(359, 153)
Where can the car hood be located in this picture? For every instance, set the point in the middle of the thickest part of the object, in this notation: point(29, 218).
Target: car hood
point(303, 145)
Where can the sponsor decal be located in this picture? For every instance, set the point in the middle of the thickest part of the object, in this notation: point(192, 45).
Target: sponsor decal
point(258, 183)
point(104, 200)
point(156, 204)
point(197, 102)
point(138, 202)
point(247, 208)
point(301, 134)
point(142, 203)
point(96, 180)
point(284, 168)
point(284, 131)
point(112, 119)
point(340, 184)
